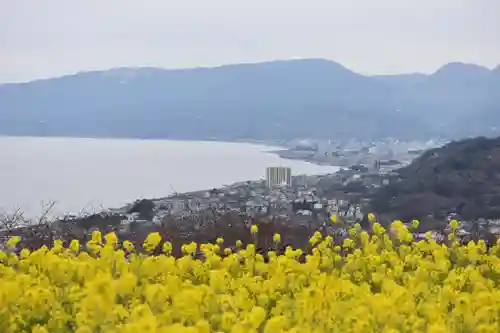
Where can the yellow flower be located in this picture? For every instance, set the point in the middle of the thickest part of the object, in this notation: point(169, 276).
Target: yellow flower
point(74, 245)
point(12, 242)
point(333, 218)
point(58, 244)
point(152, 241)
point(97, 237)
point(348, 243)
point(39, 329)
point(415, 224)
point(454, 224)
point(317, 237)
point(277, 238)
point(254, 229)
point(111, 239)
point(378, 229)
point(167, 248)
point(257, 316)
point(127, 245)
point(371, 217)
point(25, 253)
point(228, 320)
point(84, 329)
point(276, 324)
point(203, 326)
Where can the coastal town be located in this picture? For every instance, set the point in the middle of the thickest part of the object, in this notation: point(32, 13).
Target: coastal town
point(302, 199)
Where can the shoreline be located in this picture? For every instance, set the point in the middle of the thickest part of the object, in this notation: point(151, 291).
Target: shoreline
point(96, 207)
point(294, 155)
point(269, 143)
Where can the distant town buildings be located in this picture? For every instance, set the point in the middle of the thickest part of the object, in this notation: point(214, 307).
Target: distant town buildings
point(278, 176)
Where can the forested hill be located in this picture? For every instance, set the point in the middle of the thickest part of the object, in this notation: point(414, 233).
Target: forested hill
point(461, 177)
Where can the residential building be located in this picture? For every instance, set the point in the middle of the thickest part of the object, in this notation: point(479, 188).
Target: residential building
point(278, 176)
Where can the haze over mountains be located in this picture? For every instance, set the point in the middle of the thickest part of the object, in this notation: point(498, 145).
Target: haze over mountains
point(277, 100)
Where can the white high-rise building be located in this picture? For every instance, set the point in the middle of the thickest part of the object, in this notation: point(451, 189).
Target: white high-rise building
point(279, 176)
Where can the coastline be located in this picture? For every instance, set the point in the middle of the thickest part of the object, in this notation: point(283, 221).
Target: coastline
point(295, 155)
point(99, 200)
point(312, 157)
point(268, 143)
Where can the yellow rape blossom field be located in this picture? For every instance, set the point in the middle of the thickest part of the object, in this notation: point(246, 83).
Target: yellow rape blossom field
point(379, 282)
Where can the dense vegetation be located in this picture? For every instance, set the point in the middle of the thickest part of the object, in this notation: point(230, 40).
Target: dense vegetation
point(379, 282)
point(461, 177)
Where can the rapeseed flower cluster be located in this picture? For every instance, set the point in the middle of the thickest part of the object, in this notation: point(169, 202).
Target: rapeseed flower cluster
point(378, 282)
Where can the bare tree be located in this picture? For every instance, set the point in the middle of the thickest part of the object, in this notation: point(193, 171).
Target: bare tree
point(10, 221)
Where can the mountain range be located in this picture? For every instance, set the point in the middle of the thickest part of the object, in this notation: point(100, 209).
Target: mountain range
point(278, 100)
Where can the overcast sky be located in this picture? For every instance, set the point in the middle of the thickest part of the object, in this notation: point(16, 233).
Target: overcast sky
point(46, 38)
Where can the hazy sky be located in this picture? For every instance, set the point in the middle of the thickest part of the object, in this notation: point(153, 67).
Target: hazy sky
point(44, 38)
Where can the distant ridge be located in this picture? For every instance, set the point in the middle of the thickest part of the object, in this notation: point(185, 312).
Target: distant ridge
point(318, 62)
point(282, 99)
